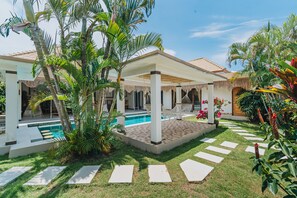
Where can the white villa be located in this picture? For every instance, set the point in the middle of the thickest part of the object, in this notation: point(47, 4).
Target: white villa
point(153, 82)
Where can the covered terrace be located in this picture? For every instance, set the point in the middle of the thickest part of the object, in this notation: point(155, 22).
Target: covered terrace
point(156, 70)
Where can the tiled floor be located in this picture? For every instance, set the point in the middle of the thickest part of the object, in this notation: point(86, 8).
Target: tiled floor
point(171, 130)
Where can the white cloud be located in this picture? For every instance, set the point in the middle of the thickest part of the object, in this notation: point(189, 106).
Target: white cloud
point(212, 30)
point(170, 51)
point(220, 58)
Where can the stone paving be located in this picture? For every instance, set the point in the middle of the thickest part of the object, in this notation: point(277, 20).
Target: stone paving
point(11, 174)
point(158, 174)
point(171, 130)
point(46, 176)
point(228, 144)
point(218, 150)
point(122, 174)
point(209, 157)
point(195, 171)
point(208, 140)
point(251, 149)
point(84, 175)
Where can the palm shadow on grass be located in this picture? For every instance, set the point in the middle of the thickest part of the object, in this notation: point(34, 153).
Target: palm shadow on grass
point(123, 154)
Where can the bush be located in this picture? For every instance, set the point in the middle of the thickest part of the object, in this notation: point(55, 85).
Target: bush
point(2, 97)
point(249, 102)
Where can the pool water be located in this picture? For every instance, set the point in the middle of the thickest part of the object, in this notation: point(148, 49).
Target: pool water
point(57, 131)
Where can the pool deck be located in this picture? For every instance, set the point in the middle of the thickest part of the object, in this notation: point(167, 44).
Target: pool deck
point(174, 133)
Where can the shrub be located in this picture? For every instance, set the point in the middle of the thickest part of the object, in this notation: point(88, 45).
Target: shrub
point(249, 102)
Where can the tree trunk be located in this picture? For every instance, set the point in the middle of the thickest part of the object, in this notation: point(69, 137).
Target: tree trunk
point(51, 70)
point(104, 75)
point(38, 46)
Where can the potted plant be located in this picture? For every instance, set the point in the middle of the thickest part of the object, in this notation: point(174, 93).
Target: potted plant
point(218, 104)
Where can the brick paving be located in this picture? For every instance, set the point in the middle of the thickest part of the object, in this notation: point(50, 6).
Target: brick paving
point(171, 130)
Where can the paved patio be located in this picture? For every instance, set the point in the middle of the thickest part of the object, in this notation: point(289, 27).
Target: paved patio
point(174, 133)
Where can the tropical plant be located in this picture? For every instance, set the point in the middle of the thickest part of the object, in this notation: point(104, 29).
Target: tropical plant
point(2, 97)
point(280, 170)
point(249, 102)
point(79, 68)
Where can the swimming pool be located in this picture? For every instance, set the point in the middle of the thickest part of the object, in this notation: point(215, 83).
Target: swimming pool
point(130, 120)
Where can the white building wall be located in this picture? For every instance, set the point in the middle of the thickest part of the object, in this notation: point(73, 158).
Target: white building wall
point(131, 98)
point(167, 99)
point(222, 93)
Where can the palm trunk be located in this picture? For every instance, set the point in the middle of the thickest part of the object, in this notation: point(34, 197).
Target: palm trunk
point(114, 100)
point(56, 79)
point(104, 75)
point(45, 71)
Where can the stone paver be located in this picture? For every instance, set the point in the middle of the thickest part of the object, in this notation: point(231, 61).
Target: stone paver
point(195, 171)
point(84, 175)
point(46, 176)
point(251, 149)
point(247, 134)
point(254, 138)
point(208, 140)
point(209, 157)
point(235, 127)
point(158, 174)
point(229, 144)
point(122, 174)
point(239, 130)
point(171, 130)
point(218, 150)
point(264, 145)
point(11, 174)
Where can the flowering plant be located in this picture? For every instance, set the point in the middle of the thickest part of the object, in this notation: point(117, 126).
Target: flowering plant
point(218, 104)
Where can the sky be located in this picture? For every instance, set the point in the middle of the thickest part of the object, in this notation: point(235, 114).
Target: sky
point(190, 29)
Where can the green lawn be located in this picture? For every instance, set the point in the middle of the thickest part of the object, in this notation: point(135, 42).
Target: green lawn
point(231, 178)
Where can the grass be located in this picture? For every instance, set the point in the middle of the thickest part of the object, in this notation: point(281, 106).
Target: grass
point(231, 178)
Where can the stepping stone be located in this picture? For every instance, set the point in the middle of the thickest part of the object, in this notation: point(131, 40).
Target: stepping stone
point(195, 171)
point(208, 140)
point(122, 174)
point(11, 174)
point(254, 138)
point(209, 157)
point(84, 175)
point(158, 174)
point(46, 176)
point(229, 144)
point(247, 134)
point(251, 149)
point(239, 130)
point(218, 150)
point(265, 145)
point(234, 127)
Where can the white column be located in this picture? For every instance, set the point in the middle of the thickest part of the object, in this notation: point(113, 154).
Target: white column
point(178, 102)
point(156, 129)
point(144, 100)
point(121, 105)
point(210, 103)
point(11, 112)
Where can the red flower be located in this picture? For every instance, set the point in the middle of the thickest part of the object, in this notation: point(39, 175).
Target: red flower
point(257, 151)
point(292, 62)
point(219, 114)
point(274, 126)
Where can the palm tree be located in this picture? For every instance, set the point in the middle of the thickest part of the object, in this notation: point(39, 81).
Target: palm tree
point(129, 14)
point(42, 45)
